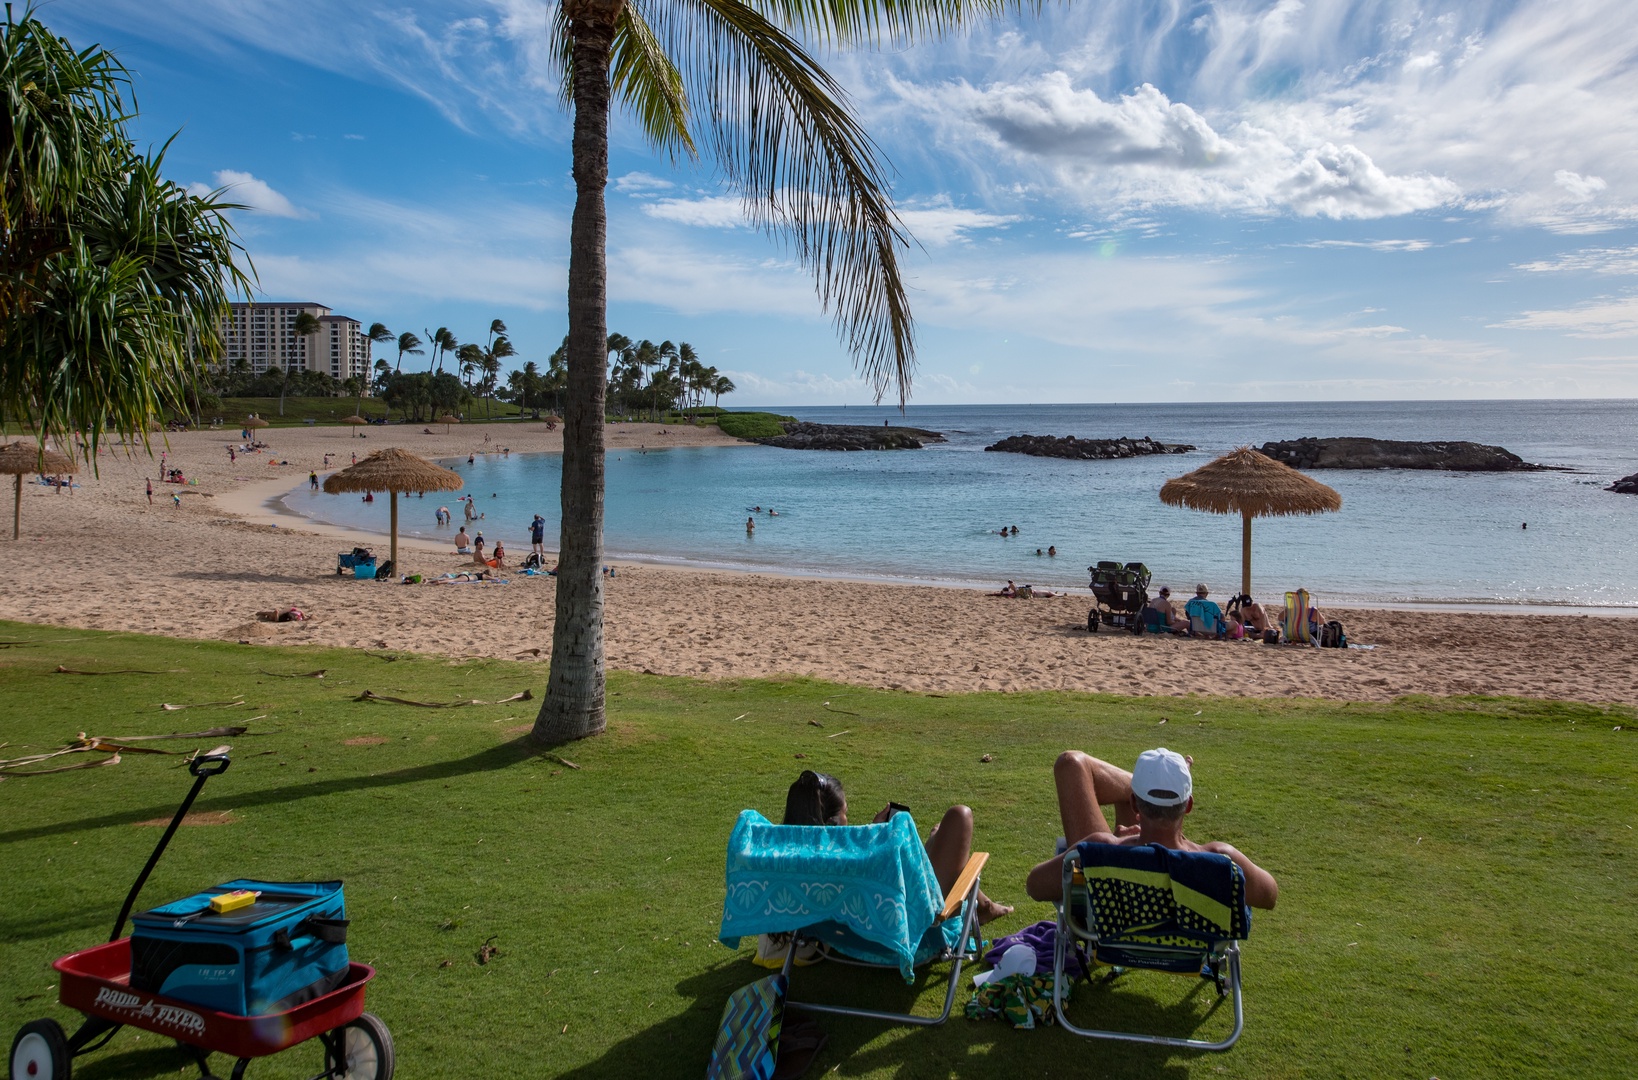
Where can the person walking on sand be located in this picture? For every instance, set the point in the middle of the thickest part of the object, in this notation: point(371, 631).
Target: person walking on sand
point(150, 491)
point(312, 481)
point(537, 536)
point(176, 501)
point(232, 457)
point(1150, 804)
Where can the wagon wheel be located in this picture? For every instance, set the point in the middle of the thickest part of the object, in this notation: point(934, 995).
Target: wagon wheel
point(40, 1052)
point(362, 1050)
point(1092, 621)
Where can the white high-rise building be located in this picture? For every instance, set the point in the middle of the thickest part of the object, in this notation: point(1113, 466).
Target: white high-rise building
point(264, 333)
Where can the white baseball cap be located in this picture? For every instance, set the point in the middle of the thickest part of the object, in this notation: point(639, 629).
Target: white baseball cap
point(1019, 959)
point(1162, 778)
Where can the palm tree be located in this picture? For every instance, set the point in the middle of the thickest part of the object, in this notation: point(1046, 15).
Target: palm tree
point(489, 363)
point(468, 357)
point(785, 138)
point(442, 342)
point(305, 326)
point(407, 343)
point(113, 280)
point(496, 329)
point(721, 385)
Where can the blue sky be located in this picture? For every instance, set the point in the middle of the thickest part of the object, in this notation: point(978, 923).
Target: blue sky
point(1123, 201)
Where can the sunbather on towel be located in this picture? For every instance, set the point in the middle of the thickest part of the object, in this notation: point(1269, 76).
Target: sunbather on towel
point(1166, 783)
point(818, 799)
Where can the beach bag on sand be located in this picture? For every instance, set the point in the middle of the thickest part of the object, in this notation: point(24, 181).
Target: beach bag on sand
point(1271, 636)
point(1332, 637)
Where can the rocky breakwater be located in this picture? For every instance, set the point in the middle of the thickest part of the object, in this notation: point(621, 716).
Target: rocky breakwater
point(1627, 485)
point(806, 436)
point(1068, 446)
point(1395, 454)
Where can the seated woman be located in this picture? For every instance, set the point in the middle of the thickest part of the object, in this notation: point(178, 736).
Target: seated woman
point(818, 799)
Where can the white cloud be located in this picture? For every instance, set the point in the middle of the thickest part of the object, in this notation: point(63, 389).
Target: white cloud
point(1371, 245)
point(941, 224)
point(1145, 150)
point(1581, 188)
point(1588, 260)
point(1605, 317)
point(641, 183)
point(258, 195)
point(709, 212)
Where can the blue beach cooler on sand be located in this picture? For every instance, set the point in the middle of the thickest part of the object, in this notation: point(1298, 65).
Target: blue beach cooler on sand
point(287, 948)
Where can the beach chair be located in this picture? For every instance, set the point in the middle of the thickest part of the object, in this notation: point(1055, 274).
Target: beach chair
point(1152, 908)
point(1155, 621)
point(1298, 624)
point(1206, 619)
point(865, 892)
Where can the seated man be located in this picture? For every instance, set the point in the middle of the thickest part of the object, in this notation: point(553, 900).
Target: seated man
point(1207, 611)
point(1150, 803)
point(1253, 616)
point(1163, 604)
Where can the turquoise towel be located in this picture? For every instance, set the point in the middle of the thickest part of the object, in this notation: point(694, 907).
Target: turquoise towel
point(869, 890)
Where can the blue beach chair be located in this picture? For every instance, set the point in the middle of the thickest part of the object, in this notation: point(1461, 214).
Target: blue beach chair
point(1152, 908)
point(867, 892)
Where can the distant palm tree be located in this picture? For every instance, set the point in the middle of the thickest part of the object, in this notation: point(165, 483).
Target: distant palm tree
point(442, 342)
point(469, 357)
point(407, 343)
point(496, 329)
point(721, 385)
point(305, 326)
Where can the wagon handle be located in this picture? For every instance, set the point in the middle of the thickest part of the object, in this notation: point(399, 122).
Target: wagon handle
point(203, 768)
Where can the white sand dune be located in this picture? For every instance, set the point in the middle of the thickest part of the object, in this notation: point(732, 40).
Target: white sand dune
point(103, 558)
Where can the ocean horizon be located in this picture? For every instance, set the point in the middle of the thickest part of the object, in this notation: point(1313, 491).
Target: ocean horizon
point(932, 516)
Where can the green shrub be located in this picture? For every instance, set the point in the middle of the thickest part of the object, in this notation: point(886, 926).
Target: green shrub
point(752, 425)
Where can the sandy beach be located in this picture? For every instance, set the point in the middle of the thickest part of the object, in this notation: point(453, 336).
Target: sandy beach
point(103, 558)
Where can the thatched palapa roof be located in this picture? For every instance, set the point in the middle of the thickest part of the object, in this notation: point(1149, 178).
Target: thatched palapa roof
point(1246, 482)
point(23, 457)
point(393, 470)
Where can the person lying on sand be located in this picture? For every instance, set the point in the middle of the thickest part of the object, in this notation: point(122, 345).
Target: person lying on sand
point(1150, 804)
point(818, 799)
point(282, 614)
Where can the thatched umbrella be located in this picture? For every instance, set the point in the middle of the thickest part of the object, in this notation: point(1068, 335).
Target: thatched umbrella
point(354, 420)
point(25, 457)
point(446, 420)
point(1250, 484)
point(393, 470)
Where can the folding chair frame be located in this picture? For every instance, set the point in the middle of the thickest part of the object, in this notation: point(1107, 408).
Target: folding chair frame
point(1213, 964)
point(964, 891)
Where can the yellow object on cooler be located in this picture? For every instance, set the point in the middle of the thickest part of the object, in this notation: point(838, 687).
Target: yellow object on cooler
point(232, 901)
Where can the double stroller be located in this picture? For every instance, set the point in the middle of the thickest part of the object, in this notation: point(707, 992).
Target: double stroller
point(1119, 593)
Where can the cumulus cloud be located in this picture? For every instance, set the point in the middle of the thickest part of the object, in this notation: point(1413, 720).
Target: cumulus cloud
point(641, 183)
point(258, 195)
point(1146, 150)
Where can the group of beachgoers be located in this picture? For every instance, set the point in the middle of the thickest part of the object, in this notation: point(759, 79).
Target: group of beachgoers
point(1149, 802)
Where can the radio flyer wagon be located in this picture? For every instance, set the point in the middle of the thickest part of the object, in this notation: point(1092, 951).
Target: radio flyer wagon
point(97, 983)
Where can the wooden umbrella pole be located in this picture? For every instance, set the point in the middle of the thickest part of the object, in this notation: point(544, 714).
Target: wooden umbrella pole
point(17, 509)
point(1245, 552)
point(394, 555)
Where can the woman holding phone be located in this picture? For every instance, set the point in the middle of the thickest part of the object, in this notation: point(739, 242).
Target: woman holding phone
point(818, 799)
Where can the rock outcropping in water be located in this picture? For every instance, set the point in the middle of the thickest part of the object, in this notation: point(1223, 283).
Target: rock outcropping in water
point(1395, 454)
point(1068, 446)
point(1627, 485)
point(806, 436)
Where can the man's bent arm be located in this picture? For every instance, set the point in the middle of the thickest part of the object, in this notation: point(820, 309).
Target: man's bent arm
point(1261, 888)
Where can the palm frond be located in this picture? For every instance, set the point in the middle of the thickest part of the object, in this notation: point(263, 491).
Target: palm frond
point(785, 136)
point(878, 22)
point(643, 78)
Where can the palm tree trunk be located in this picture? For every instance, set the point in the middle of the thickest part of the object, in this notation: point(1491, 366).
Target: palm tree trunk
point(574, 701)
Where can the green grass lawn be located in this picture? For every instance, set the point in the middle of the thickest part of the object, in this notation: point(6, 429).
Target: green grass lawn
point(1457, 876)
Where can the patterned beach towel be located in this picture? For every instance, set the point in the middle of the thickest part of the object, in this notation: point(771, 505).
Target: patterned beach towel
point(867, 890)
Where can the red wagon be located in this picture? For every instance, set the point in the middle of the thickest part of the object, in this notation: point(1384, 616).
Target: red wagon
point(97, 982)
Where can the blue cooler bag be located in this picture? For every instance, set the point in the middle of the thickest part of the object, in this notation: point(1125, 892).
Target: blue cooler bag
point(287, 948)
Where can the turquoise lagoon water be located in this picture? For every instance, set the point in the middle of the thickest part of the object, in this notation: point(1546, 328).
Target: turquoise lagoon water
point(933, 515)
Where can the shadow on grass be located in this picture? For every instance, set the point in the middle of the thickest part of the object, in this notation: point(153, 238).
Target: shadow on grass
point(502, 756)
point(957, 1047)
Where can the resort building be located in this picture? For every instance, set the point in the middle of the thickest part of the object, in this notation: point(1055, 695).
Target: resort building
point(265, 335)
